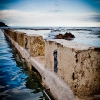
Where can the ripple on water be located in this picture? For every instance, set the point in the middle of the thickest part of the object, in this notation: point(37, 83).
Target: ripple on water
point(16, 81)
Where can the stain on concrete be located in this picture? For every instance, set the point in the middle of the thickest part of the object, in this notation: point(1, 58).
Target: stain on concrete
point(55, 60)
point(26, 42)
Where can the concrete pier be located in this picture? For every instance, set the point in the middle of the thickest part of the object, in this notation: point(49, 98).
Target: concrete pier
point(70, 70)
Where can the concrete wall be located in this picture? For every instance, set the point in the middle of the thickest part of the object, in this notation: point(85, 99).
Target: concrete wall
point(68, 69)
point(34, 44)
point(78, 65)
point(20, 38)
point(57, 87)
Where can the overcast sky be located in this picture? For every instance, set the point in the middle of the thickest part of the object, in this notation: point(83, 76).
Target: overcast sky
point(50, 12)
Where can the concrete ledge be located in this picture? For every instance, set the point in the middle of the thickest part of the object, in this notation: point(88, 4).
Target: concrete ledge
point(57, 86)
point(38, 64)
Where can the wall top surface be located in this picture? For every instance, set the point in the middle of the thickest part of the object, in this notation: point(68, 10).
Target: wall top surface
point(74, 45)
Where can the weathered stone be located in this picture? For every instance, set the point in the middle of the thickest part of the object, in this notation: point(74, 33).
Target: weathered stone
point(20, 38)
point(34, 44)
point(78, 65)
point(15, 36)
point(11, 33)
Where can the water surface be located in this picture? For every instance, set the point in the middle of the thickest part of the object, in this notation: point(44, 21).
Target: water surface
point(84, 35)
point(16, 81)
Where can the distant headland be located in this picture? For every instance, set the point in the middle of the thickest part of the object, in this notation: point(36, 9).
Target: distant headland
point(3, 24)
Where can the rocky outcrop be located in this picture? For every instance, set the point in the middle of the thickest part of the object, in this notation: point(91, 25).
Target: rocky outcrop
point(98, 36)
point(3, 24)
point(66, 36)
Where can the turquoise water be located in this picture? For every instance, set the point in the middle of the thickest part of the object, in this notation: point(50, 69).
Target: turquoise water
point(16, 81)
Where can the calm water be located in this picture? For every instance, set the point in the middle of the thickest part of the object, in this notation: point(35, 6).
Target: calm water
point(16, 81)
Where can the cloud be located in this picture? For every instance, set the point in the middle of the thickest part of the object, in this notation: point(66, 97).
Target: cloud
point(11, 24)
point(4, 14)
point(20, 18)
point(56, 5)
point(96, 17)
point(55, 10)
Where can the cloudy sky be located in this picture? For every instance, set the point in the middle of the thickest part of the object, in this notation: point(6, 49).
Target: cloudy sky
point(50, 12)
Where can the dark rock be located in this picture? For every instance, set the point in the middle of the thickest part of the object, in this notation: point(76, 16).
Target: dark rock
point(3, 24)
point(66, 36)
point(98, 36)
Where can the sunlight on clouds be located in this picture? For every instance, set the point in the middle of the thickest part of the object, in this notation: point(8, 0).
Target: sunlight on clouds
point(10, 24)
point(4, 14)
point(20, 18)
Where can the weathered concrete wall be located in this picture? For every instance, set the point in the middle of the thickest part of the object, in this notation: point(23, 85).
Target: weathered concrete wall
point(20, 38)
point(16, 36)
point(8, 31)
point(34, 44)
point(57, 87)
point(78, 65)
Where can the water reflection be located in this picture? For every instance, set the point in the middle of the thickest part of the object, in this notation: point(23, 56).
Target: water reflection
point(17, 82)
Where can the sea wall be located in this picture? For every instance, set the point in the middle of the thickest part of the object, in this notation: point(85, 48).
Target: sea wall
point(77, 64)
point(69, 70)
point(34, 44)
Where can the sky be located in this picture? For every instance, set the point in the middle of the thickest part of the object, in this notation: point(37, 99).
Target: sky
point(62, 13)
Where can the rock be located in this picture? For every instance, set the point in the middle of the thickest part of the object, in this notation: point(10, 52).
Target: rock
point(98, 36)
point(66, 36)
point(59, 36)
point(3, 24)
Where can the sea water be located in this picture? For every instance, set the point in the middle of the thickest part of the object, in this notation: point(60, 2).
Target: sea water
point(84, 35)
point(16, 81)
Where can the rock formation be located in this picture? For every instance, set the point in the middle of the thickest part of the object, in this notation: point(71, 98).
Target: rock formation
point(3, 24)
point(66, 36)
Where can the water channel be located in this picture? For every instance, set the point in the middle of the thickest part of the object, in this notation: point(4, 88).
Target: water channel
point(17, 82)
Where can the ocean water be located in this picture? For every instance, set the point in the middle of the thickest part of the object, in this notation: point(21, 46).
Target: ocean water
point(16, 81)
point(84, 35)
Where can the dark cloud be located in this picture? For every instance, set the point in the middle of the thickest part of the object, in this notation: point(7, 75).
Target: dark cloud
point(96, 18)
point(92, 18)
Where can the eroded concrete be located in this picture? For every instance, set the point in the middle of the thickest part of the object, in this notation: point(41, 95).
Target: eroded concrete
point(78, 66)
point(38, 42)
